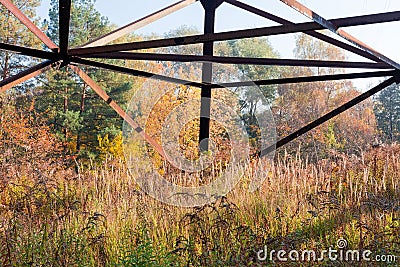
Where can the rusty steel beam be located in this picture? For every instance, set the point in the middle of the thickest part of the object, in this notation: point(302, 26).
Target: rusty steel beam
point(222, 36)
point(240, 60)
point(138, 73)
point(28, 23)
point(210, 7)
point(64, 14)
point(333, 77)
point(330, 115)
point(117, 109)
point(309, 79)
point(109, 37)
point(335, 29)
point(134, 72)
point(197, 39)
point(24, 75)
point(373, 18)
point(28, 51)
point(368, 19)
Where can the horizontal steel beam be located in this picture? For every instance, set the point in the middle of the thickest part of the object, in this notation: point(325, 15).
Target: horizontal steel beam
point(90, 82)
point(223, 36)
point(28, 23)
point(24, 75)
point(134, 72)
point(138, 73)
point(28, 51)
point(333, 27)
point(107, 38)
point(308, 79)
point(329, 115)
point(197, 39)
point(239, 60)
point(368, 19)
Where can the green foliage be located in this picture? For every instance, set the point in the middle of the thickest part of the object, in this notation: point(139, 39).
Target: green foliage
point(256, 48)
point(70, 120)
point(76, 113)
point(86, 22)
point(387, 112)
point(331, 140)
point(251, 106)
point(146, 252)
point(12, 31)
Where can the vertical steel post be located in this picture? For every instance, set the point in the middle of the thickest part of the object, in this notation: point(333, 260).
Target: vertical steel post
point(64, 9)
point(208, 50)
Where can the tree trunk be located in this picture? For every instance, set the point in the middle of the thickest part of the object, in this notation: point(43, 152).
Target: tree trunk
point(65, 112)
point(81, 110)
point(391, 118)
point(5, 69)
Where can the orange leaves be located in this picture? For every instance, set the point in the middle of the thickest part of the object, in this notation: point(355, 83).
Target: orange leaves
point(300, 104)
point(26, 145)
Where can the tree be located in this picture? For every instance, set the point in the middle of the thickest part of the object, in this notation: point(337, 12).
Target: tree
point(12, 31)
point(387, 112)
point(298, 104)
point(28, 149)
point(74, 111)
point(86, 22)
point(256, 48)
point(249, 105)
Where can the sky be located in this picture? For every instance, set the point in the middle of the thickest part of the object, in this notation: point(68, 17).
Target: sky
point(382, 37)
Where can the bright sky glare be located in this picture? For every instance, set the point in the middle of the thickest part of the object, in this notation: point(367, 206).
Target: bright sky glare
point(382, 37)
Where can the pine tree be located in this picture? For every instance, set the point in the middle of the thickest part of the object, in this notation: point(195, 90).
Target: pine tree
point(72, 109)
point(298, 104)
point(12, 31)
point(387, 112)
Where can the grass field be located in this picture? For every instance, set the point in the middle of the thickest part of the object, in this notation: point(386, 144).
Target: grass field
point(100, 217)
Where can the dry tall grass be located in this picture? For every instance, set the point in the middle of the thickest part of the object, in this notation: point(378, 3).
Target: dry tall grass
point(101, 218)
